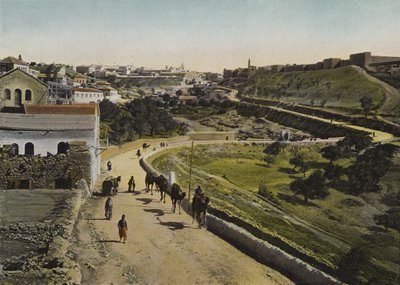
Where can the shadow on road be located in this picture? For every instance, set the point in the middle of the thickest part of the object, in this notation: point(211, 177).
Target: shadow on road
point(145, 201)
point(173, 226)
point(95, 219)
point(158, 212)
point(116, 241)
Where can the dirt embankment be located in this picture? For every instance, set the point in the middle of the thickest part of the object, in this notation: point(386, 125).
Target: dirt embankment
point(35, 230)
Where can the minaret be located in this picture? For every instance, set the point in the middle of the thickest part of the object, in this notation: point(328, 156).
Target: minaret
point(248, 63)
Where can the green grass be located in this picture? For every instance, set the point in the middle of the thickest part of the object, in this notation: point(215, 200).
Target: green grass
point(237, 171)
point(340, 88)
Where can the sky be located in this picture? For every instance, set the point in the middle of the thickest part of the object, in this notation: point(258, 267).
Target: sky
point(206, 35)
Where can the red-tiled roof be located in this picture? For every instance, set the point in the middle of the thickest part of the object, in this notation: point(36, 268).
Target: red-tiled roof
point(75, 109)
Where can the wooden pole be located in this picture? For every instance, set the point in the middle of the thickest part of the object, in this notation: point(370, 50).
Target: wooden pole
point(190, 171)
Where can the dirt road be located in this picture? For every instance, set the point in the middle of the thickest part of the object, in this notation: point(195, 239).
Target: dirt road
point(162, 247)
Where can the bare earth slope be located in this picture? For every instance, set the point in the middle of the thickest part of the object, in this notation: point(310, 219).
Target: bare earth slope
point(162, 248)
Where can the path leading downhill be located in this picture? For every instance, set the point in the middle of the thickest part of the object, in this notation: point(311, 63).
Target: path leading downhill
point(162, 247)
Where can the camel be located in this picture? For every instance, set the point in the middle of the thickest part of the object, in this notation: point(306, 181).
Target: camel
point(145, 146)
point(177, 196)
point(149, 181)
point(162, 184)
point(199, 205)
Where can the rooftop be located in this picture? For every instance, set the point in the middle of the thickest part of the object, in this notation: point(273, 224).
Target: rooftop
point(85, 90)
point(75, 109)
point(102, 83)
point(13, 60)
point(79, 76)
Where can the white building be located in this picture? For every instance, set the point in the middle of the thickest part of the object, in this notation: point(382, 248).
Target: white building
point(110, 93)
point(48, 128)
point(87, 95)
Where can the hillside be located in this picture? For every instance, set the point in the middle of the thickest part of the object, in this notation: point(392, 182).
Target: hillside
point(340, 88)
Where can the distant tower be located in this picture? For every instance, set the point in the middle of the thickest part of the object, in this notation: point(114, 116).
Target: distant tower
point(248, 63)
point(182, 66)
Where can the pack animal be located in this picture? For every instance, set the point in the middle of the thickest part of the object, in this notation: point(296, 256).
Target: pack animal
point(162, 184)
point(199, 206)
point(149, 182)
point(177, 195)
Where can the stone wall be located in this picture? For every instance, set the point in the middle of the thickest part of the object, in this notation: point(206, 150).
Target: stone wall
point(45, 172)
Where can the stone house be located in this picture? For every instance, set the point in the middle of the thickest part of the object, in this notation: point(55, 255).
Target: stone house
point(18, 88)
point(10, 63)
point(49, 129)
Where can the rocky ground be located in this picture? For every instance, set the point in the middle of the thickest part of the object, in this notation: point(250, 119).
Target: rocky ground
point(248, 128)
point(35, 230)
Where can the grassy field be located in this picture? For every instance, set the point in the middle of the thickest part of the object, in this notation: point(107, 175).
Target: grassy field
point(340, 88)
point(324, 229)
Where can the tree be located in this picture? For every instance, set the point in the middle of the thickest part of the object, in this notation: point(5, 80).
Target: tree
point(366, 104)
point(390, 219)
point(333, 172)
point(316, 181)
point(265, 192)
point(304, 167)
point(331, 153)
point(299, 186)
point(312, 187)
point(108, 110)
point(166, 97)
point(357, 142)
point(370, 166)
point(297, 160)
point(269, 159)
point(141, 93)
point(353, 264)
point(274, 148)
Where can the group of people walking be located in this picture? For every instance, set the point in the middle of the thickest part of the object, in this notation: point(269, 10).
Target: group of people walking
point(122, 223)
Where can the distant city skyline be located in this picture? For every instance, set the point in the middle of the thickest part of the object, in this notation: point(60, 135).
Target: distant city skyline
point(205, 35)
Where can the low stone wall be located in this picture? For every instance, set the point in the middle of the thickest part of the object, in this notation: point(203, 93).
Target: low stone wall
point(263, 251)
point(118, 149)
point(290, 266)
point(360, 121)
point(211, 135)
point(45, 172)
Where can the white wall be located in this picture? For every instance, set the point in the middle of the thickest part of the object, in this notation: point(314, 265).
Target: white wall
point(87, 97)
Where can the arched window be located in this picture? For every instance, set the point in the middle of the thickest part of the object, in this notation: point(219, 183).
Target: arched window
point(29, 149)
point(7, 94)
point(17, 97)
point(28, 95)
point(14, 150)
point(62, 147)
